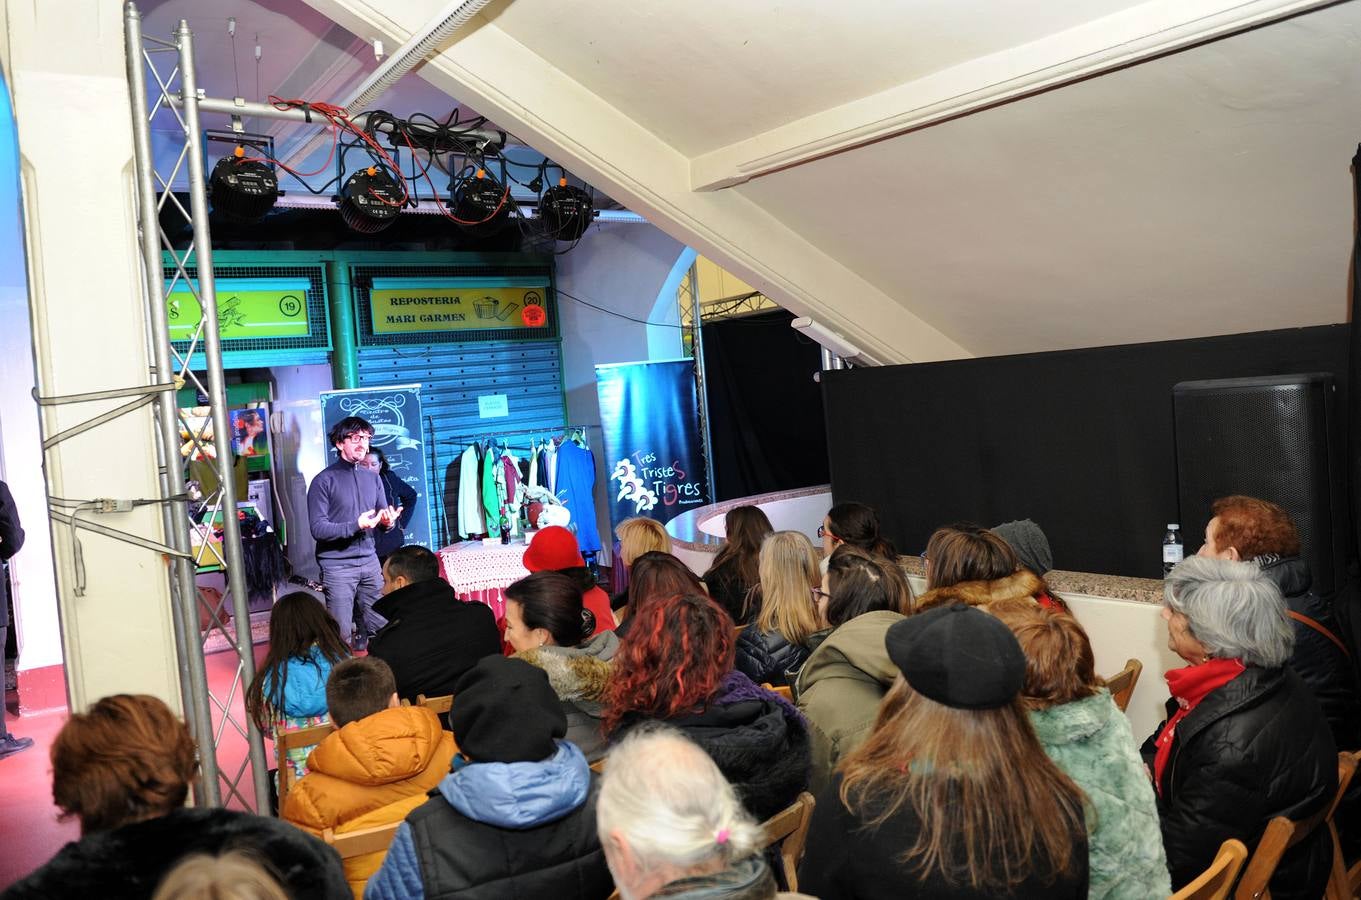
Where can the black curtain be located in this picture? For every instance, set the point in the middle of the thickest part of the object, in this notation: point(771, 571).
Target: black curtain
point(1081, 441)
point(766, 420)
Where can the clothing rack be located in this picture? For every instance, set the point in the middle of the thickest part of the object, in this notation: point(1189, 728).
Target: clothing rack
point(436, 470)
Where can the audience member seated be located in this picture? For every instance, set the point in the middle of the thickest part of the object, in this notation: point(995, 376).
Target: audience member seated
point(1029, 543)
point(857, 525)
point(677, 667)
point(554, 549)
point(657, 575)
point(288, 692)
point(1258, 531)
point(231, 876)
point(516, 816)
point(951, 796)
point(637, 536)
point(376, 768)
point(431, 637)
point(783, 610)
point(1245, 739)
point(844, 680)
point(672, 826)
point(1088, 737)
point(969, 564)
point(549, 629)
point(736, 567)
point(123, 769)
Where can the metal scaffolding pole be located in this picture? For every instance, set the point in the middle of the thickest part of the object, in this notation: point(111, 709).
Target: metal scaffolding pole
point(155, 197)
point(183, 592)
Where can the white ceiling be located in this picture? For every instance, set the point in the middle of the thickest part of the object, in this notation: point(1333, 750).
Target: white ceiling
point(932, 178)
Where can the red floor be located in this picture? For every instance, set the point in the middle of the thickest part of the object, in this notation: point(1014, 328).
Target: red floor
point(29, 831)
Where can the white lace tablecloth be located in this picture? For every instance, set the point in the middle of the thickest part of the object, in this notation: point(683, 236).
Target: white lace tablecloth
point(474, 566)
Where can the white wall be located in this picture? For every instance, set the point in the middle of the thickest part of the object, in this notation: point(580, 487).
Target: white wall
point(65, 62)
point(621, 267)
point(300, 444)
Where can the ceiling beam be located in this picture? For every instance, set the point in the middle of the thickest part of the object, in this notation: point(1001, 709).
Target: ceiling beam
point(1136, 34)
point(523, 93)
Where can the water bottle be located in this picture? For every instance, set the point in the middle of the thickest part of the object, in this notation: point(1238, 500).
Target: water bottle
point(1172, 547)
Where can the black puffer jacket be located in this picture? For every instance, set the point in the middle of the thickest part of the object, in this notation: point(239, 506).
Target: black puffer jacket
point(1256, 748)
point(1319, 662)
point(758, 740)
point(767, 657)
point(129, 862)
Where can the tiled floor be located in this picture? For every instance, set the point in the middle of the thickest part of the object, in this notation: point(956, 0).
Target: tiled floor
point(29, 831)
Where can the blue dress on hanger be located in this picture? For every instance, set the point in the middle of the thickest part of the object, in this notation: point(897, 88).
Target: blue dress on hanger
point(576, 486)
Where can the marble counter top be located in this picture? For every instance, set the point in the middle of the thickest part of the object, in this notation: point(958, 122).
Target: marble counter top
point(1116, 587)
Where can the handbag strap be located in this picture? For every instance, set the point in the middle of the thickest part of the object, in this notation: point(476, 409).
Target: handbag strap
point(1302, 618)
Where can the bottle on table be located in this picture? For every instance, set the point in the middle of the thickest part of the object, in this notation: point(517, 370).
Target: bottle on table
point(1173, 551)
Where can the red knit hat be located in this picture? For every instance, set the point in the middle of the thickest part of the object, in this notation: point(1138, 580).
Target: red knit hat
point(553, 548)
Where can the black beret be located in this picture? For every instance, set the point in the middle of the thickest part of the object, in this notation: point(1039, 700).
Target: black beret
point(958, 656)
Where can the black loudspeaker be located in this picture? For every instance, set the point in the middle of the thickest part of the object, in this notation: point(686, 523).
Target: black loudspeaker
point(1277, 438)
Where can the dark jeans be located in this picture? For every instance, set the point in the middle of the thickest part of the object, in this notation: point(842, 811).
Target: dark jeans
point(345, 582)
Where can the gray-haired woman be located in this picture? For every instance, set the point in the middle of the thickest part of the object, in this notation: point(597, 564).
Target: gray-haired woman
point(1244, 740)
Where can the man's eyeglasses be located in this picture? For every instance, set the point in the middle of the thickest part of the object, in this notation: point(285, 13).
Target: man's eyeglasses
point(357, 438)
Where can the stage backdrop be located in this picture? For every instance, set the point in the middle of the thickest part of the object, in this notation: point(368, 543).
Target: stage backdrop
point(395, 413)
point(1081, 441)
point(649, 416)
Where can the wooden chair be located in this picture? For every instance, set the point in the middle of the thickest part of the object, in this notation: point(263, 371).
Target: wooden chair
point(292, 740)
point(1281, 834)
point(366, 840)
point(598, 767)
point(1216, 882)
point(1121, 684)
point(783, 690)
point(438, 705)
point(789, 829)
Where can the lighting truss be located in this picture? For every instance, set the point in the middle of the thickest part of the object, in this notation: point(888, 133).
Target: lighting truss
point(209, 716)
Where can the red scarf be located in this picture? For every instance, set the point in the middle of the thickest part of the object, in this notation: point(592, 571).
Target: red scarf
point(1189, 685)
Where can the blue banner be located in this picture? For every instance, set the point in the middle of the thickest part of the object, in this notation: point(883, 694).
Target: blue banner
point(395, 414)
point(653, 450)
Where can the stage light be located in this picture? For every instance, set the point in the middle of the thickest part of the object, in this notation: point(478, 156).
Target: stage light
point(242, 189)
point(371, 199)
point(480, 203)
point(566, 211)
point(830, 340)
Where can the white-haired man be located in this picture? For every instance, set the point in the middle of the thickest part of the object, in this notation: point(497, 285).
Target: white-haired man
point(673, 827)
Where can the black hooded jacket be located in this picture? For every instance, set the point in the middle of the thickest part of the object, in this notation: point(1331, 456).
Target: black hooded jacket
point(1256, 748)
point(128, 863)
point(432, 637)
point(1319, 662)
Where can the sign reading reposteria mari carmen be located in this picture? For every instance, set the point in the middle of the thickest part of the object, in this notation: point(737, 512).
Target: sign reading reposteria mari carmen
point(246, 308)
point(402, 305)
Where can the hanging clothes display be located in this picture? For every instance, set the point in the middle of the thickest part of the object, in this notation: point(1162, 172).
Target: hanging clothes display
point(471, 520)
point(491, 495)
point(510, 509)
point(574, 481)
point(532, 479)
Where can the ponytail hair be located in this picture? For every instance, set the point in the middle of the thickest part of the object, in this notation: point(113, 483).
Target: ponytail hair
point(858, 525)
point(552, 601)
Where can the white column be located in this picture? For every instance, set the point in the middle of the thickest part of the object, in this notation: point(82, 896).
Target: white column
point(64, 61)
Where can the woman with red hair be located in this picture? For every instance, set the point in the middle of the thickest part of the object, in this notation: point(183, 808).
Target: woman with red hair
point(677, 667)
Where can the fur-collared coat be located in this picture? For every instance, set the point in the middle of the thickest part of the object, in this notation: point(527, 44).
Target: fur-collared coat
point(1020, 585)
point(579, 676)
point(128, 863)
point(1091, 741)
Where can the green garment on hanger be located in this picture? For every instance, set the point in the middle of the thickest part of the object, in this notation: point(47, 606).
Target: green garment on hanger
point(491, 498)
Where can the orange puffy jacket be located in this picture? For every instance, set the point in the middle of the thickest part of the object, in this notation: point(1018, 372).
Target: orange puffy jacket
point(371, 772)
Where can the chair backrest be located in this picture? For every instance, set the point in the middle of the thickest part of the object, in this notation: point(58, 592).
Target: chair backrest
point(1281, 834)
point(783, 690)
point(1121, 684)
point(292, 740)
point(789, 829)
point(438, 705)
point(598, 766)
point(365, 840)
point(1216, 882)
